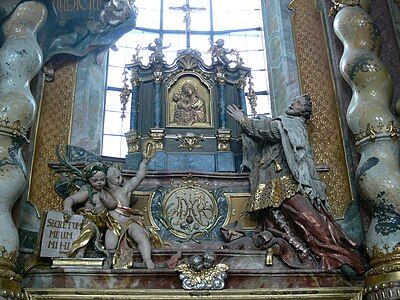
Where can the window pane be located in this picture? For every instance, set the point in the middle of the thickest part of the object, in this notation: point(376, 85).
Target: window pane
point(173, 16)
point(236, 14)
point(263, 104)
point(115, 76)
point(124, 147)
point(117, 58)
point(149, 13)
point(200, 15)
point(260, 80)
point(246, 40)
point(200, 42)
point(131, 40)
point(176, 42)
point(113, 101)
point(112, 123)
point(126, 123)
point(112, 145)
point(254, 59)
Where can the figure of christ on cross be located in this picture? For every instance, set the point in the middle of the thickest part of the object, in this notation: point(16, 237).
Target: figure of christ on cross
point(187, 9)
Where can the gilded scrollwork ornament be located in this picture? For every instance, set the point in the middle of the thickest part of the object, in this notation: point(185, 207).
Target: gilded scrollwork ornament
point(12, 128)
point(156, 136)
point(133, 141)
point(241, 83)
point(158, 74)
point(135, 78)
point(220, 74)
point(224, 139)
point(371, 132)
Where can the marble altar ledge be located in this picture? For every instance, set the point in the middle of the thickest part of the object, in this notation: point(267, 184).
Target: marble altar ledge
point(350, 293)
point(59, 278)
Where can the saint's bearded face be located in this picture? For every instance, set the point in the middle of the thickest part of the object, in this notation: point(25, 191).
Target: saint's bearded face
point(297, 107)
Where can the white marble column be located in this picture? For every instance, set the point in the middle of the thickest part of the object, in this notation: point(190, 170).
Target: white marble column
point(20, 60)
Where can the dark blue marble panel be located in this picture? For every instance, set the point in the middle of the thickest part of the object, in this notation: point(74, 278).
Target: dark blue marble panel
point(225, 161)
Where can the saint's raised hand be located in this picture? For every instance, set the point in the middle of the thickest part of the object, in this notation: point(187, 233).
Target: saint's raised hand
point(235, 112)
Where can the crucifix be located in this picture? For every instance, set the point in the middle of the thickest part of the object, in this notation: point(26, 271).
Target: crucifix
point(187, 9)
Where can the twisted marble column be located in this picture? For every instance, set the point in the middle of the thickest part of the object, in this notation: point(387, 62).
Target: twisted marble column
point(376, 132)
point(20, 60)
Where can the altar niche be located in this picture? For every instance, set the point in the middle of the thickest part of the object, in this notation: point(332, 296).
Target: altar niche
point(181, 107)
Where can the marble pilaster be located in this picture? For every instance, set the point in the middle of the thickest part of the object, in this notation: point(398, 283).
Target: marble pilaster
point(87, 122)
point(281, 56)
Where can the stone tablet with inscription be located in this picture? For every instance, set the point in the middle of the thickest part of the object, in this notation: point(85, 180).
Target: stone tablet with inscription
point(58, 234)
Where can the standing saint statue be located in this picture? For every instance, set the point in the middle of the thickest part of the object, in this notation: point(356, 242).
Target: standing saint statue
point(190, 107)
point(286, 192)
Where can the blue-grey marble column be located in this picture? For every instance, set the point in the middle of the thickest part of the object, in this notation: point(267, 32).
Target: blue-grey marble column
point(242, 96)
point(158, 76)
point(221, 105)
point(281, 57)
point(134, 107)
point(157, 105)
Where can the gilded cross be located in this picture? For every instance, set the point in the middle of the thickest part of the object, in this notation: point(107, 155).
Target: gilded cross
point(187, 9)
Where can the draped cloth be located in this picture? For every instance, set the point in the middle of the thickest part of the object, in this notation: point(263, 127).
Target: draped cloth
point(124, 254)
point(91, 229)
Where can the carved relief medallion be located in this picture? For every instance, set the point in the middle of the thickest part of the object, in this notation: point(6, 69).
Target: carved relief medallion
point(189, 211)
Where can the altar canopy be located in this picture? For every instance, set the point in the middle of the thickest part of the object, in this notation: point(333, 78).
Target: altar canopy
point(184, 105)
